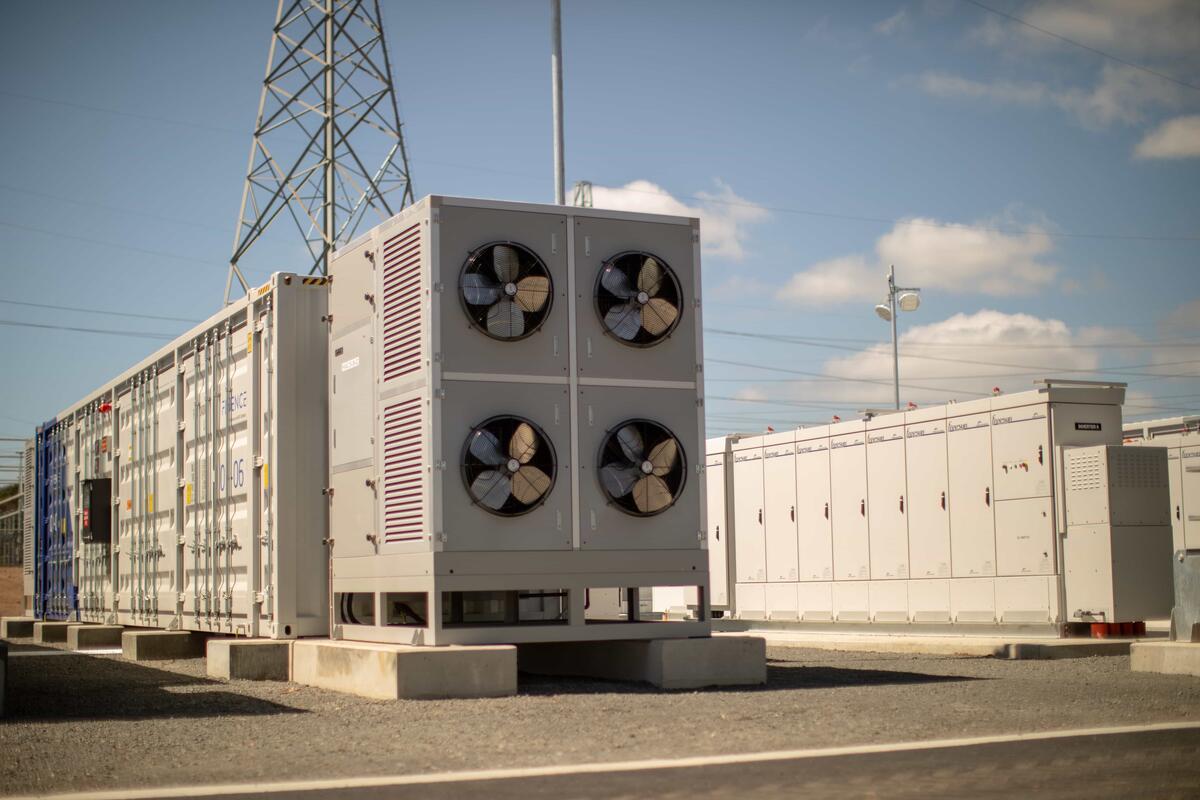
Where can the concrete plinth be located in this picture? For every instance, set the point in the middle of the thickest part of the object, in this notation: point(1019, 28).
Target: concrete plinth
point(81, 637)
point(1063, 648)
point(665, 663)
point(395, 672)
point(959, 646)
point(161, 645)
point(1173, 658)
point(249, 659)
point(16, 627)
point(49, 632)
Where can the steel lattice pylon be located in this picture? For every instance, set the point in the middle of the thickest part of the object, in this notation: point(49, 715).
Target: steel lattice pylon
point(328, 109)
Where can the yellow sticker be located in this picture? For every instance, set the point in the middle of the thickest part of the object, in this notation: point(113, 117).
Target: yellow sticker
point(62, 526)
point(149, 504)
point(187, 495)
point(249, 343)
point(266, 471)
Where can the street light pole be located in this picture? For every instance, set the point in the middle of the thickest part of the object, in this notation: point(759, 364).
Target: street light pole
point(557, 102)
point(898, 299)
point(895, 344)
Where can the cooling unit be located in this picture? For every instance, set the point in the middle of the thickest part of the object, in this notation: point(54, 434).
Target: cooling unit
point(516, 425)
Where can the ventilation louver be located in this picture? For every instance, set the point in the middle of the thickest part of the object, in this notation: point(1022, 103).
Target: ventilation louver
point(508, 465)
point(638, 298)
point(642, 467)
point(506, 290)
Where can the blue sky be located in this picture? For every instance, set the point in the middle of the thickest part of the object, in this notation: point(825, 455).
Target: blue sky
point(1046, 198)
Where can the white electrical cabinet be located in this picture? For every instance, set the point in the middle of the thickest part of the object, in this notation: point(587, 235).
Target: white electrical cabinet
point(1180, 436)
point(717, 460)
point(516, 435)
point(1117, 546)
point(187, 494)
point(951, 514)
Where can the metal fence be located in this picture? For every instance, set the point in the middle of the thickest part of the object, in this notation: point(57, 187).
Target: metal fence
point(12, 536)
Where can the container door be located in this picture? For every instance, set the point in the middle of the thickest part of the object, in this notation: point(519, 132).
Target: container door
point(928, 507)
point(1021, 455)
point(779, 485)
point(1175, 480)
point(851, 548)
point(814, 514)
point(1190, 481)
point(972, 524)
point(749, 543)
point(718, 533)
point(887, 504)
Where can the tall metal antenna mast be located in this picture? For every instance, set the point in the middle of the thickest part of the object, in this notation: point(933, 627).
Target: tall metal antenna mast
point(328, 109)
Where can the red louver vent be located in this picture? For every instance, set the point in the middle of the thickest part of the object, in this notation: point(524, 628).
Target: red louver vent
point(403, 472)
point(402, 304)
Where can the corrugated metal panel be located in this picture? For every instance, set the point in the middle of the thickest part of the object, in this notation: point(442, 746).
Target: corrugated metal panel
point(403, 472)
point(401, 308)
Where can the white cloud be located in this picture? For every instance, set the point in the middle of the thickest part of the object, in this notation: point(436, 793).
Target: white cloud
point(1122, 95)
point(932, 255)
point(893, 24)
point(1175, 138)
point(1145, 29)
point(1184, 318)
point(724, 216)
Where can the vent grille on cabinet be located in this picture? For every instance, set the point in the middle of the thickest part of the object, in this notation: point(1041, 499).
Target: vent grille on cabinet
point(28, 490)
point(403, 472)
point(402, 304)
point(1133, 468)
point(1086, 471)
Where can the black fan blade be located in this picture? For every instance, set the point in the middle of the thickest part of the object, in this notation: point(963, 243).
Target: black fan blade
point(479, 290)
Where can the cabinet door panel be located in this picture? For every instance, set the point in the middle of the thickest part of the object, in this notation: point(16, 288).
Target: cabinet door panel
point(928, 506)
point(814, 515)
point(779, 489)
point(972, 522)
point(887, 508)
point(851, 551)
point(749, 541)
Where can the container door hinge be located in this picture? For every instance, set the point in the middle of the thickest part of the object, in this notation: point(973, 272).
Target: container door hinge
point(260, 598)
point(258, 461)
point(327, 318)
point(327, 491)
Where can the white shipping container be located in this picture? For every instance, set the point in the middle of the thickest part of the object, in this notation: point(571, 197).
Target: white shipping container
point(212, 455)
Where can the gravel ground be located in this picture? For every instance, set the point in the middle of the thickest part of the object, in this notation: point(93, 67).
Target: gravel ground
point(78, 722)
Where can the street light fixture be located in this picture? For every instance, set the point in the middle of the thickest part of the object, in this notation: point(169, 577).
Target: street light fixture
point(908, 299)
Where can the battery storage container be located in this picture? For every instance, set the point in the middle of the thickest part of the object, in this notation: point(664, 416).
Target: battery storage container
point(209, 457)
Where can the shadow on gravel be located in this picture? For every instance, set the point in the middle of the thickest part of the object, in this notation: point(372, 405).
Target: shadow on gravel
point(67, 687)
point(779, 678)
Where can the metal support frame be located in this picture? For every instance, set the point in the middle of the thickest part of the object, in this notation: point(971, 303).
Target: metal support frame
point(327, 109)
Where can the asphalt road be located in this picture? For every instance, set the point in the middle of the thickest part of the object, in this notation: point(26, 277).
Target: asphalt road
point(1155, 764)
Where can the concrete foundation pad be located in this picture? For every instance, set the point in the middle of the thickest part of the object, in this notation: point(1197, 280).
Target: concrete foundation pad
point(49, 632)
point(962, 646)
point(1172, 658)
point(161, 645)
point(16, 627)
point(81, 637)
point(396, 672)
point(249, 659)
point(665, 663)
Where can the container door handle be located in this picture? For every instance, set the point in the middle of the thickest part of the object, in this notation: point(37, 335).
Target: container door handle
point(1041, 455)
point(901, 504)
point(760, 516)
point(862, 507)
point(718, 533)
point(827, 511)
point(1177, 513)
point(793, 513)
point(987, 495)
point(943, 501)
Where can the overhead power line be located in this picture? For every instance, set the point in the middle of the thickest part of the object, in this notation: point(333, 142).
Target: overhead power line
point(126, 314)
point(107, 331)
point(1083, 46)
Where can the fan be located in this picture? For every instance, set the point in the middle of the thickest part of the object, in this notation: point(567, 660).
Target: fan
point(642, 467)
point(638, 298)
point(506, 290)
point(508, 465)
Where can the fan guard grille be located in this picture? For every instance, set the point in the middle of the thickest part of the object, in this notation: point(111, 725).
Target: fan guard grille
point(642, 467)
point(508, 465)
point(506, 290)
point(638, 298)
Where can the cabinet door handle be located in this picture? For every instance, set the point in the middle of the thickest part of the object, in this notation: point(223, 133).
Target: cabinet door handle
point(862, 507)
point(827, 511)
point(1177, 513)
point(718, 533)
point(987, 496)
point(1041, 455)
point(901, 504)
point(793, 513)
point(943, 501)
point(760, 516)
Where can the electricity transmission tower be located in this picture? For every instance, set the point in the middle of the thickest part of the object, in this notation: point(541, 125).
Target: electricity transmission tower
point(328, 144)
